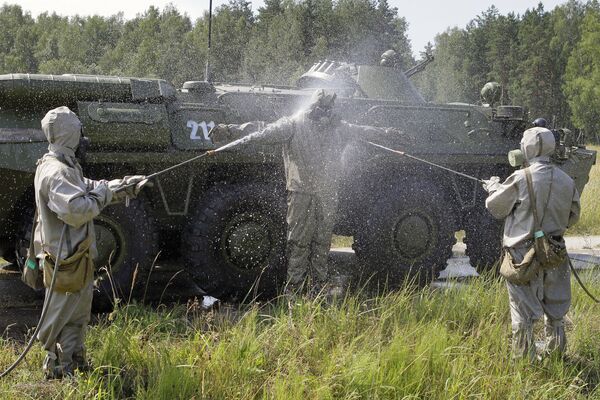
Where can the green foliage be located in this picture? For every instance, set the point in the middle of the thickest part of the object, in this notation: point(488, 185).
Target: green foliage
point(583, 75)
point(545, 60)
point(434, 344)
point(274, 45)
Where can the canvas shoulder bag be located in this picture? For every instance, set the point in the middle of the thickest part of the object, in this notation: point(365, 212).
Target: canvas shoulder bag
point(74, 272)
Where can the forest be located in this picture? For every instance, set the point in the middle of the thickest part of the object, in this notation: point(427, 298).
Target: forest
point(545, 60)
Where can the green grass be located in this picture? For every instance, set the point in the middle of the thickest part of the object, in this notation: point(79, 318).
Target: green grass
point(589, 223)
point(412, 344)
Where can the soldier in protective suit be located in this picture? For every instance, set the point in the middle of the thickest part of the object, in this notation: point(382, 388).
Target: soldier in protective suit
point(64, 196)
point(548, 294)
point(313, 141)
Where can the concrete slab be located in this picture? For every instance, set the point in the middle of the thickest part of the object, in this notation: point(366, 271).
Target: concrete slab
point(584, 261)
point(583, 243)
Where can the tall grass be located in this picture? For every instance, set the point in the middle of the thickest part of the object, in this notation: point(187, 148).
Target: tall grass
point(425, 344)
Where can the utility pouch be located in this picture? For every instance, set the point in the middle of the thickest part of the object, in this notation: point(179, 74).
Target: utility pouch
point(32, 275)
point(520, 273)
point(551, 252)
point(74, 272)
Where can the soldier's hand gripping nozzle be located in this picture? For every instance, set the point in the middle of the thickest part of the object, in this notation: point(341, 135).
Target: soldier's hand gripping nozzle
point(490, 184)
point(220, 134)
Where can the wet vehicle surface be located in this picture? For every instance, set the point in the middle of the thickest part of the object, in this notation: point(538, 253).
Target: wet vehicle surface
point(223, 217)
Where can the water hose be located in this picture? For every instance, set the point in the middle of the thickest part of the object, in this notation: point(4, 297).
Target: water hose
point(402, 153)
point(49, 293)
point(50, 290)
point(580, 282)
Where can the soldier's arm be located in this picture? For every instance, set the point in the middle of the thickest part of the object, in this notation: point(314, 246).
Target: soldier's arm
point(73, 205)
point(239, 131)
point(575, 208)
point(503, 197)
point(367, 132)
point(93, 184)
point(274, 133)
point(256, 131)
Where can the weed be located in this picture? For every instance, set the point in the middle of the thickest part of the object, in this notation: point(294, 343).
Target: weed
point(434, 344)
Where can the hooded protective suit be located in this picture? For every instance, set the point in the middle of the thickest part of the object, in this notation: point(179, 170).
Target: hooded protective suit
point(549, 294)
point(313, 141)
point(64, 196)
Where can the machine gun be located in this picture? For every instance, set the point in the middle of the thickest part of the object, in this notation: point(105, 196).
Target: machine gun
point(420, 66)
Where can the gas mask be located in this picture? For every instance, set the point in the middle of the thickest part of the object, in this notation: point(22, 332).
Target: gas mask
point(538, 143)
point(82, 147)
point(320, 115)
point(321, 106)
point(516, 158)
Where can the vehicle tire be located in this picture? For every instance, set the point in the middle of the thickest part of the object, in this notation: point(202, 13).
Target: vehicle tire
point(126, 238)
point(483, 238)
point(235, 242)
point(408, 233)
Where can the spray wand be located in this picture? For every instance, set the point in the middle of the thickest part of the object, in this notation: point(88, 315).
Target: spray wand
point(181, 164)
point(402, 153)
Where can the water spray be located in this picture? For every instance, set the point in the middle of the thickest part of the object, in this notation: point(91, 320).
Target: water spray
point(402, 153)
point(181, 164)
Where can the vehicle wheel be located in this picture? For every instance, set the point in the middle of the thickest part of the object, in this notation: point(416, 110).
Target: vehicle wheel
point(483, 238)
point(126, 238)
point(235, 243)
point(409, 232)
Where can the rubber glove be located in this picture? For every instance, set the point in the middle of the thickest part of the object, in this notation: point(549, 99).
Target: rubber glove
point(491, 184)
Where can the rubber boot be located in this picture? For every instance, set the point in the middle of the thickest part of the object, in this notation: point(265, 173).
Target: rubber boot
point(49, 366)
point(80, 363)
point(556, 339)
point(522, 342)
point(54, 370)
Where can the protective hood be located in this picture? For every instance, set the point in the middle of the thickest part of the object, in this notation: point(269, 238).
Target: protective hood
point(537, 144)
point(321, 106)
point(63, 130)
point(322, 98)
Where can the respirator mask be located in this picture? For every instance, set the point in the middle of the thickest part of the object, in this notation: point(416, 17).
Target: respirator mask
point(82, 147)
point(516, 158)
point(320, 115)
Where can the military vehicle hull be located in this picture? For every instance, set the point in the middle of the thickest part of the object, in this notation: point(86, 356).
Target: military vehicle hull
point(225, 215)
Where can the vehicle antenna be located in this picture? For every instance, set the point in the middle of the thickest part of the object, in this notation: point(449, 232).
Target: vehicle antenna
point(207, 70)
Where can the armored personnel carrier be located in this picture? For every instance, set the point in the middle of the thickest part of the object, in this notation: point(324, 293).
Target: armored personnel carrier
point(225, 215)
